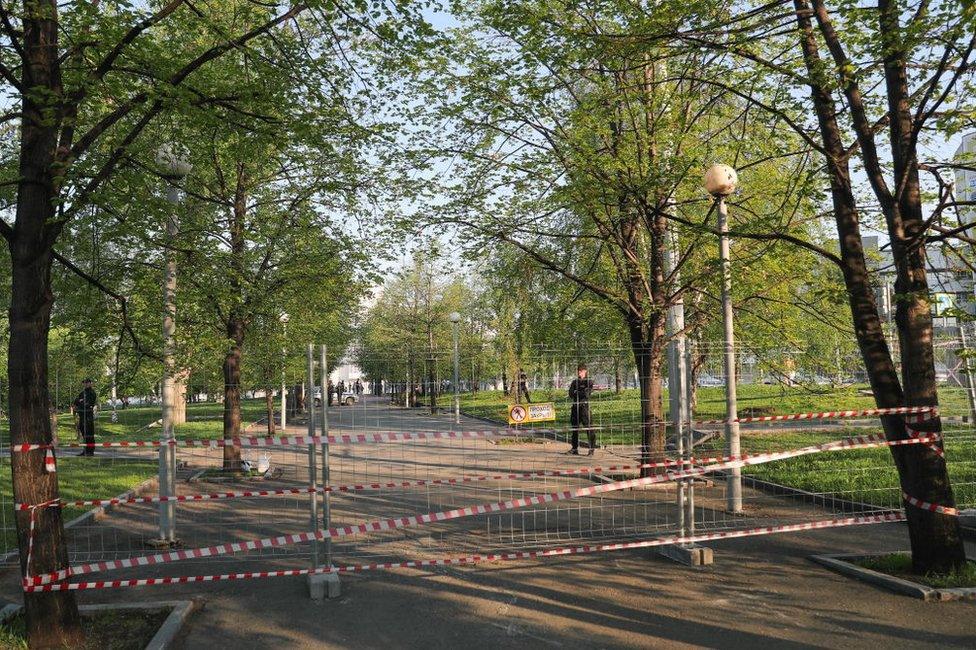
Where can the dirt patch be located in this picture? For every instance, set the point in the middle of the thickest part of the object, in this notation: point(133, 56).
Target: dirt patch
point(113, 630)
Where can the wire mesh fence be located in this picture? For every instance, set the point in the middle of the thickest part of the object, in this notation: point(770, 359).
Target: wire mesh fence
point(397, 450)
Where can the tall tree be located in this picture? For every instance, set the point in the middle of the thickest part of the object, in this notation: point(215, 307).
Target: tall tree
point(880, 83)
point(82, 82)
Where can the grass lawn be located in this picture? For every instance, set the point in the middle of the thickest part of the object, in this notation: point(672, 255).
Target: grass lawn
point(204, 421)
point(612, 409)
point(864, 475)
point(118, 630)
point(900, 566)
point(95, 478)
point(80, 478)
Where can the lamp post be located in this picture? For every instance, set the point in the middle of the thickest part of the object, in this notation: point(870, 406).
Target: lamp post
point(456, 320)
point(720, 182)
point(172, 162)
point(283, 317)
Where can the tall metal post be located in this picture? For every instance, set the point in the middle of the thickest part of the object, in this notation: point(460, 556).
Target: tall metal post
point(677, 393)
point(167, 450)
point(313, 497)
point(326, 512)
point(284, 362)
point(456, 320)
point(733, 490)
point(967, 368)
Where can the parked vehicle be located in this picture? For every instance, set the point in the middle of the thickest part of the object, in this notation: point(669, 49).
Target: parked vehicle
point(346, 399)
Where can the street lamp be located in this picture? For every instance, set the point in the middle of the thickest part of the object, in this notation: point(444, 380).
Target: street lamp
point(283, 317)
point(174, 165)
point(456, 320)
point(721, 181)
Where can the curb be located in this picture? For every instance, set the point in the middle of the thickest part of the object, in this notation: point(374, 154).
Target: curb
point(838, 562)
point(165, 635)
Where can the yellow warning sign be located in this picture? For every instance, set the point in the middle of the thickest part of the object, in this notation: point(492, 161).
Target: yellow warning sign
point(526, 413)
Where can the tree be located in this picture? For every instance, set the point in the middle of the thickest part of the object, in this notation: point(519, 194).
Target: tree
point(583, 152)
point(83, 82)
point(878, 83)
point(410, 318)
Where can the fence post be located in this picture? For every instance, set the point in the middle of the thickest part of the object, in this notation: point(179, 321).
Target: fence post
point(326, 584)
point(313, 497)
point(326, 513)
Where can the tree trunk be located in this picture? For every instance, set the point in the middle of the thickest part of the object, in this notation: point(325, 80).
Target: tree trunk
point(647, 355)
point(935, 538)
point(232, 394)
point(52, 618)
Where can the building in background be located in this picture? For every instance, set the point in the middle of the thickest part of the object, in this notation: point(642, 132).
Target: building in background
point(966, 178)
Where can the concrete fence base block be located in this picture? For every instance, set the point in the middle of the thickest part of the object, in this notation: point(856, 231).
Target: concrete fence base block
point(692, 555)
point(325, 585)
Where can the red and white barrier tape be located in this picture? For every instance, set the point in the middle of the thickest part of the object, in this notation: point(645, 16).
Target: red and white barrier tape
point(899, 410)
point(59, 575)
point(924, 413)
point(432, 517)
point(475, 559)
point(273, 441)
point(856, 442)
point(931, 507)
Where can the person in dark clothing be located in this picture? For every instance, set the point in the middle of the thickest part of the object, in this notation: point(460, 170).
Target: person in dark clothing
point(84, 407)
point(331, 390)
point(524, 385)
point(579, 414)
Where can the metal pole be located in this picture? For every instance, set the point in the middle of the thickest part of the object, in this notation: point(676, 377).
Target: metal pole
point(677, 394)
point(167, 451)
point(313, 497)
point(733, 490)
point(457, 378)
point(970, 385)
point(326, 510)
point(284, 390)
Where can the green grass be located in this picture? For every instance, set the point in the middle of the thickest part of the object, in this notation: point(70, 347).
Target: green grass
point(900, 565)
point(81, 478)
point(612, 409)
point(110, 630)
point(93, 478)
point(204, 421)
point(862, 475)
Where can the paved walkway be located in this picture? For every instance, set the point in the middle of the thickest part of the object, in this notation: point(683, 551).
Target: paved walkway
point(760, 590)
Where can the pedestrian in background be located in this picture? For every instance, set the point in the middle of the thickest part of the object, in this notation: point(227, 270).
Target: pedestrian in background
point(579, 414)
point(84, 406)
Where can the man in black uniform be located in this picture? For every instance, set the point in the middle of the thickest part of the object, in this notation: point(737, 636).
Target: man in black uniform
point(579, 414)
point(523, 380)
point(84, 406)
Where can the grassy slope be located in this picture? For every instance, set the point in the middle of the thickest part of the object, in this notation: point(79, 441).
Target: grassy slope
point(84, 478)
point(865, 475)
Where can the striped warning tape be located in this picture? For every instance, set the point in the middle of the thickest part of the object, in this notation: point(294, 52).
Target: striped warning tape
point(931, 507)
point(930, 411)
point(924, 413)
point(849, 443)
point(432, 517)
point(274, 441)
point(476, 559)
